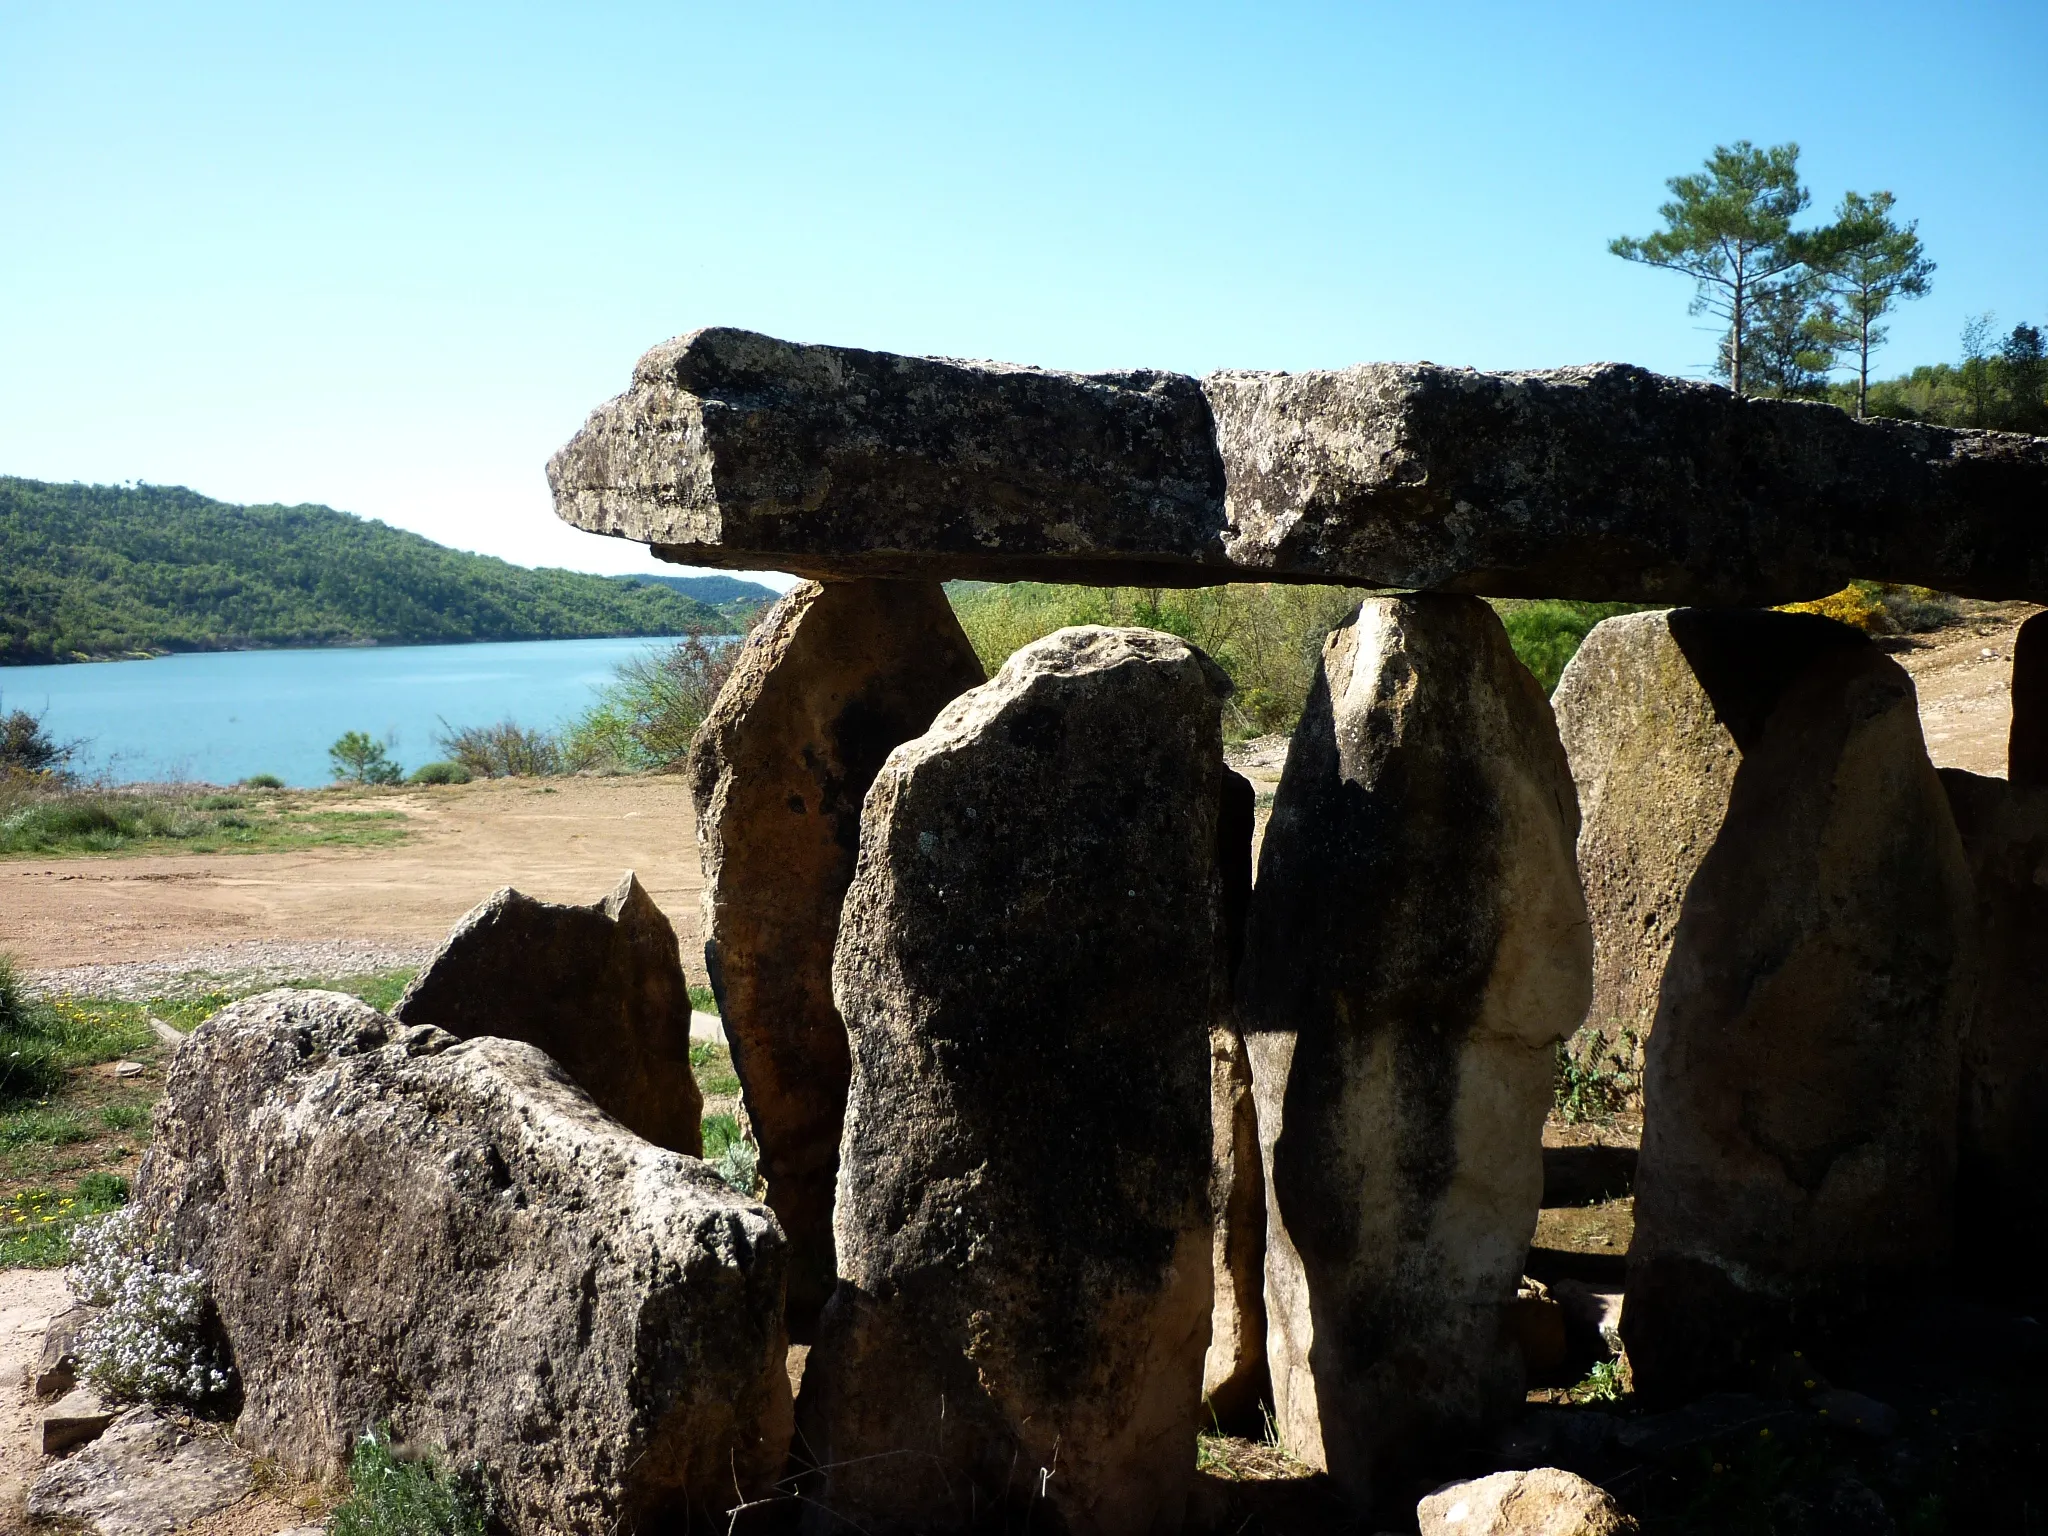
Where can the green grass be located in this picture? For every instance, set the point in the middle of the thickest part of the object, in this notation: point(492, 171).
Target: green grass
point(44, 821)
point(36, 1224)
point(408, 1495)
point(712, 1065)
point(703, 1000)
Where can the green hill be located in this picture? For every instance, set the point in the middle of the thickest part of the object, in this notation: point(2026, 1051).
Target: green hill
point(96, 571)
point(723, 592)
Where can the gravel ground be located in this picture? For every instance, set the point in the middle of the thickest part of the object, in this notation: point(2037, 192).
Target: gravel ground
point(229, 968)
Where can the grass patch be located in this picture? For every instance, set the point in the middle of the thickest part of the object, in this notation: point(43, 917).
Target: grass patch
point(36, 1224)
point(711, 1063)
point(703, 1000)
point(394, 1493)
point(48, 819)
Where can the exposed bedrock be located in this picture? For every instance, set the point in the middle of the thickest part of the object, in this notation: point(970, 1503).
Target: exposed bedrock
point(1417, 943)
point(1031, 956)
point(598, 988)
point(831, 679)
point(1800, 1078)
point(734, 449)
point(2002, 1155)
point(450, 1237)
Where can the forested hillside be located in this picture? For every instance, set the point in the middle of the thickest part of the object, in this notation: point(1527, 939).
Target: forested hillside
point(95, 571)
point(724, 592)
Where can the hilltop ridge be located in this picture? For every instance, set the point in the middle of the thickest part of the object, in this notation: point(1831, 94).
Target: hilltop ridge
point(90, 572)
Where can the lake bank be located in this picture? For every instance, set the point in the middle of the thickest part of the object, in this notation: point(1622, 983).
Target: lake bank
point(222, 716)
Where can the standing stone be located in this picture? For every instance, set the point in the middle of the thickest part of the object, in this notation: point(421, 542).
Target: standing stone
point(2027, 744)
point(831, 679)
point(1800, 1079)
point(599, 988)
point(1654, 755)
point(397, 1227)
point(1032, 955)
point(1417, 946)
point(2002, 1151)
point(1234, 1376)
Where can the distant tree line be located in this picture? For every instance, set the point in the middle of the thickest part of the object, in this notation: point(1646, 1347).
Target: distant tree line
point(1799, 306)
point(93, 571)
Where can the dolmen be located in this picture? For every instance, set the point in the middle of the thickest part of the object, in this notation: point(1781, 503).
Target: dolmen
point(1076, 1139)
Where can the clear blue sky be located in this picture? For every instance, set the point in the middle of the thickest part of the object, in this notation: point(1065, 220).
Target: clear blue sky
point(387, 256)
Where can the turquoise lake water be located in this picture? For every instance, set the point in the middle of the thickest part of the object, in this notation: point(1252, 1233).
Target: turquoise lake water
point(226, 715)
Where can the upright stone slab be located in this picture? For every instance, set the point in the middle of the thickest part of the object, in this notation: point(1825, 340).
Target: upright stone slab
point(1417, 945)
point(598, 988)
point(2027, 745)
point(1234, 1380)
point(397, 1227)
point(1800, 1080)
point(1031, 957)
point(1654, 755)
point(2002, 1151)
point(831, 679)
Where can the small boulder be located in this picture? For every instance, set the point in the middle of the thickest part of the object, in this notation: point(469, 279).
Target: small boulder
point(450, 1237)
point(831, 679)
point(76, 1418)
point(598, 988)
point(1543, 1501)
point(57, 1368)
point(1031, 957)
point(148, 1475)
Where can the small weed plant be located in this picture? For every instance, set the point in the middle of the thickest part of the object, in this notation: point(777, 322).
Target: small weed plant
point(1597, 1078)
point(731, 1155)
point(1606, 1382)
point(393, 1493)
point(153, 1342)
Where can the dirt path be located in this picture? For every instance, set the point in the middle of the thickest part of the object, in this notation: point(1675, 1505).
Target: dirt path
point(1964, 677)
point(568, 840)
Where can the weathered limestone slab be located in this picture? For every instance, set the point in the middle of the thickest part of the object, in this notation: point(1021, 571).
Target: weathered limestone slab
point(598, 988)
point(1417, 944)
point(2027, 743)
point(147, 1475)
point(1800, 1081)
point(738, 450)
point(2002, 1152)
point(450, 1236)
point(830, 680)
point(1031, 956)
point(1654, 746)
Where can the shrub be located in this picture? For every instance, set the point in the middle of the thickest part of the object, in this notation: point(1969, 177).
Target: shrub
point(506, 750)
point(439, 773)
point(27, 750)
point(263, 781)
point(358, 759)
point(1546, 633)
point(154, 1341)
point(394, 1492)
point(1267, 637)
point(731, 1155)
point(1597, 1078)
point(647, 716)
point(1882, 608)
